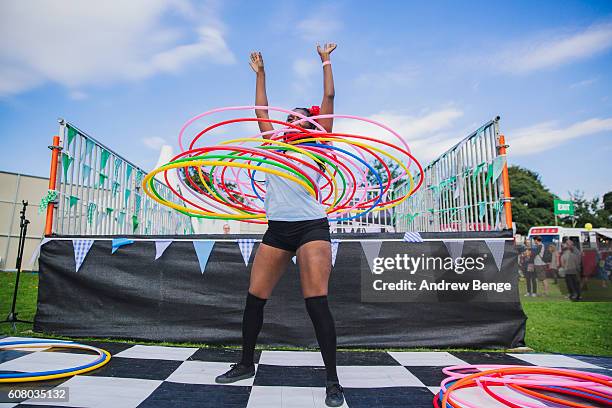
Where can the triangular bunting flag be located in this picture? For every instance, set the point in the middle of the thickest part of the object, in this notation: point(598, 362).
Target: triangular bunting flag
point(121, 218)
point(137, 202)
point(455, 248)
point(246, 247)
point(477, 170)
point(127, 196)
point(73, 200)
point(86, 172)
point(135, 223)
point(104, 159)
point(498, 166)
point(482, 210)
point(161, 246)
point(103, 178)
point(128, 173)
point(458, 188)
point(371, 250)
point(36, 252)
point(115, 188)
point(489, 173)
point(334, 249)
point(71, 134)
point(497, 248)
point(139, 176)
point(119, 242)
point(81, 248)
point(203, 250)
point(117, 162)
point(66, 162)
point(89, 145)
point(91, 213)
point(412, 237)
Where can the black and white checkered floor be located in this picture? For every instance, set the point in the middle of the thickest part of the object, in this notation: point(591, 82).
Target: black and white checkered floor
point(157, 376)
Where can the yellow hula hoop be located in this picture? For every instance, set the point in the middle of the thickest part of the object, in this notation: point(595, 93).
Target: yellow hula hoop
point(107, 358)
point(402, 165)
point(242, 214)
point(148, 177)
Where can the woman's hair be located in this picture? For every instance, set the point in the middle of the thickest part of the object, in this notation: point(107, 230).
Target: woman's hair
point(306, 112)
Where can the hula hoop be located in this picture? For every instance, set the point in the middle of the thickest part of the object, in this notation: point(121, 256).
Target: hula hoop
point(347, 173)
point(103, 358)
point(525, 380)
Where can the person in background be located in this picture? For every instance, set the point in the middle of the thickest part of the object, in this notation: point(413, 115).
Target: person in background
point(570, 264)
point(226, 228)
point(522, 263)
point(608, 266)
point(530, 276)
point(539, 264)
point(601, 270)
point(553, 265)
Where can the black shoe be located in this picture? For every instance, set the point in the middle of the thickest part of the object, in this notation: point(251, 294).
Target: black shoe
point(237, 372)
point(334, 395)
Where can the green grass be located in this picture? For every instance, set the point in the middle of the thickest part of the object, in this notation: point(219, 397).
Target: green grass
point(554, 324)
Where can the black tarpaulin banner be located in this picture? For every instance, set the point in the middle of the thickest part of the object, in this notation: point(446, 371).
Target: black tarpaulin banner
point(132, 295)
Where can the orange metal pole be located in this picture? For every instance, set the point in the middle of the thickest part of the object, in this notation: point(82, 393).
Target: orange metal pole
point(55, 149)
point(506, 183)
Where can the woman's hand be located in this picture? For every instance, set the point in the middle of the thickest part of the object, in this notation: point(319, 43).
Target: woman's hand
point(325, 51)
point(257, 62)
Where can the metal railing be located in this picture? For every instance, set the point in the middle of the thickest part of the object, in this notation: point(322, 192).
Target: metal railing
point(464, 189)
point(98, 192)
point(374, 221)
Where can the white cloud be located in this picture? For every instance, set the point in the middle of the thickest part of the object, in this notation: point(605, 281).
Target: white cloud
point(547, 135)
point(305, 69)
point(76, 44)
point(583, 83)
point(427, 135)
point(321, 26)
point(553, 51)
point(154, 142)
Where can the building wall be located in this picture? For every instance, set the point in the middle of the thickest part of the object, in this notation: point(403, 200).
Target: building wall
point(13, 189)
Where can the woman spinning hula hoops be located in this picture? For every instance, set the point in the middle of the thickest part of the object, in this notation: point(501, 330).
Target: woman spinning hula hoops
point(297, 224)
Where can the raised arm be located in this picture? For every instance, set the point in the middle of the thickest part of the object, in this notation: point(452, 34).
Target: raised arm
point(327, 105)
point(261, 99)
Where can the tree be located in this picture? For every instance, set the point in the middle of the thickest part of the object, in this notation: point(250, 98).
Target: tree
point(532, 202)
point(607, 202)
point(588, 211)
point(394, 169)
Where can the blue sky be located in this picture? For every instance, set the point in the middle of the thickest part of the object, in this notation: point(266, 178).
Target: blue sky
point(130, 73)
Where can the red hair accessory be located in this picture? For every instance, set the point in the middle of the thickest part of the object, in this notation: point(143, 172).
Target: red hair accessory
point(314, 110)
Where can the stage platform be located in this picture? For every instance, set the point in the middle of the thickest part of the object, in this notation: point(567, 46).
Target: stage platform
point(156, 376)
point(193, 288)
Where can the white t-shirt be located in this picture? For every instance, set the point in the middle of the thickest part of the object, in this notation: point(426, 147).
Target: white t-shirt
point(539, 258)
point(286, 200)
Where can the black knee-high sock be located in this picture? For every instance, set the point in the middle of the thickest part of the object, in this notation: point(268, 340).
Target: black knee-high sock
point(252, 320)
point(325, 329)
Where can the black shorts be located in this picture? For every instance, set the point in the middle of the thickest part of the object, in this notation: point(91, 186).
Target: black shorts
point(290, 235)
